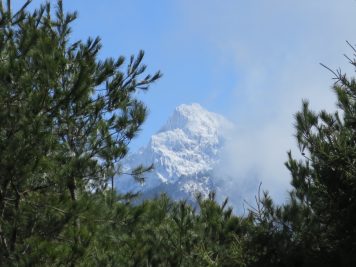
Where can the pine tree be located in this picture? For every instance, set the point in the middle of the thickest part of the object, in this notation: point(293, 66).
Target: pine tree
point(317, 227)
point(67, 118)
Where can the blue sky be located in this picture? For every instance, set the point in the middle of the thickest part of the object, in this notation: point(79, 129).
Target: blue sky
point(192, 72)
point(237, 58)
point(251, 61)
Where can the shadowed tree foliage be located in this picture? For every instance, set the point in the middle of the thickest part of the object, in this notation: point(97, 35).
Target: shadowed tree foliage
point(161, 232)
point(67, 118)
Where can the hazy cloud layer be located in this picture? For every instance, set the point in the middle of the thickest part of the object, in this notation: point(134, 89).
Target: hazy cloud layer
point(276, 48)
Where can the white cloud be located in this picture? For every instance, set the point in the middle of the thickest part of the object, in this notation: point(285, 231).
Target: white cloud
point(276, 47)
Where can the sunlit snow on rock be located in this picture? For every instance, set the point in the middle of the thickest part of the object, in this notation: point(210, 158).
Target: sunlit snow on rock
point(184, 152)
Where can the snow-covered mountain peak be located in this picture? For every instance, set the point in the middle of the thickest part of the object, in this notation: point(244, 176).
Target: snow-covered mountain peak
point(185, 149)
point(193, 119)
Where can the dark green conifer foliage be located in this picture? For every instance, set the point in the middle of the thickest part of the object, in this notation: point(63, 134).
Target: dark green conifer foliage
point(317, 227)
point(66, 119)
point(161, 232)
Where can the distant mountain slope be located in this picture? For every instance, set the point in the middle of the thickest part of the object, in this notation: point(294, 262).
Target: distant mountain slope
point(184, 152)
